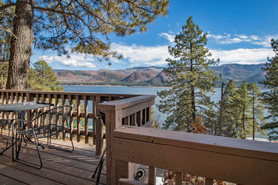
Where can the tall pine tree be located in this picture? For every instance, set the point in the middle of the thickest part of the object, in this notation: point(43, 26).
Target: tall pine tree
point(242, 101)
point(270, 98)
point(257, 109)
point(231, 113)
point(190, 78)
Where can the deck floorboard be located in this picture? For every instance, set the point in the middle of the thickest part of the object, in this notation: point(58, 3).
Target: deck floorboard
point(59, 167)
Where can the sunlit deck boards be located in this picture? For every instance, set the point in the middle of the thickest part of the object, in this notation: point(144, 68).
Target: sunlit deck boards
point(60, 167)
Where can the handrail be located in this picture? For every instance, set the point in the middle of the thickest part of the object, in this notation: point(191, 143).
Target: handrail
point(214, 157)
point(135, 111)
point(81, 116)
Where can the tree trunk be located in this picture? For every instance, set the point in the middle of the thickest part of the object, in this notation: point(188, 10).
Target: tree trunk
point(253, 112)
point(1, 51)
point(243, 123)
point(221, 107)
point(20, 51)
point(5, 52)
point(192, 89)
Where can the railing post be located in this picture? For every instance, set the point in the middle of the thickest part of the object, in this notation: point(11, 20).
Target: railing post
point(113, 119)
point(98, 129)
point(115, 111)
point(86, 119)
point(78, 117)
point(152, 175)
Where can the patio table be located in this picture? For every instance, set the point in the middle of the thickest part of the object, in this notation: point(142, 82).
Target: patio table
point(21, 108)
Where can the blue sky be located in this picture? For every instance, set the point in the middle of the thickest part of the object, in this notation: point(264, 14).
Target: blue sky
point(239, 31)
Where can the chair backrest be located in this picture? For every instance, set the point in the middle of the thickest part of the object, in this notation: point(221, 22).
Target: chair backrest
point(52, 121)
point(4, 122)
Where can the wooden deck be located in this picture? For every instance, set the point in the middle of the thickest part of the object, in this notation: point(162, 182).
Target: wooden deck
point(59, 167)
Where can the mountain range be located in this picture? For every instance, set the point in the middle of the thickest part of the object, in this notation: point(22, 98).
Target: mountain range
point(154, 76)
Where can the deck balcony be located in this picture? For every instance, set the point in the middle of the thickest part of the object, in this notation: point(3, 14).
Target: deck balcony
point(130, 140)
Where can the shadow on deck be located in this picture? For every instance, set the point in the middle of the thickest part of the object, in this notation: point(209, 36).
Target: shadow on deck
point(59, 167)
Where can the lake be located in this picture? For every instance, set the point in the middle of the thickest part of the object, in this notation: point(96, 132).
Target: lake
point(160, 117)
point(131, 90)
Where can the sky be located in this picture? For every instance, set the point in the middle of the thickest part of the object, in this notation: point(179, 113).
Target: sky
point(239, 31)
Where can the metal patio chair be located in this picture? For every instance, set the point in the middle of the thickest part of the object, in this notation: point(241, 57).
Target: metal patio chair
point(6, 123)
point(47, 124)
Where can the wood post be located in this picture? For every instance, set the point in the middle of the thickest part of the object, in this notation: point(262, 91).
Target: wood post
point(99, 127)
point(179, 178)
point(130, 112)
point(86, 119)
point(152, 175)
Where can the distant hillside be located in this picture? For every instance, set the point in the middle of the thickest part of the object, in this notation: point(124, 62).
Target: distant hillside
point(238, 72)
point(158, 79)
point(140, 76)
point(153, 76)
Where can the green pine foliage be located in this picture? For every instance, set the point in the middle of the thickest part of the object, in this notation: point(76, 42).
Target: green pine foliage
point(270, 98)
point(257, 109)
point(3, 74)
point(42, 78)
point(71, 26)
point(243, 103)
point(209, 118)
point(190, 78)
point(230, 117)
point(85, 25)
point(5, 33)
point(242, 110)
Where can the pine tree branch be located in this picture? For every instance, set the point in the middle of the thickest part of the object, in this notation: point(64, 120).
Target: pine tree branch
point(91, 13)
point(9, 31)
point(54, 11)
point(138, 6)
point(7, 6)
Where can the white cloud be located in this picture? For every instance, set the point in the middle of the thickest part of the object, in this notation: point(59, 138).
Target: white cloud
point(242, 36)
point(140, 55)
point(239, 38)
point(156, 55)
point(169, 37)
point(75, 60)
point(254, 37)
point(143, 55)
point(265, 41)
point(242, 55)
point(217, 37)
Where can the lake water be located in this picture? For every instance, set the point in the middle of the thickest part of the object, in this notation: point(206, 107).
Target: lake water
point(137, 90)
point(131, 90)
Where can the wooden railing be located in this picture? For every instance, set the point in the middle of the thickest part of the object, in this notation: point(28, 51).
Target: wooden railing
point(81, 115)
point(135, 111)
point(228, 159)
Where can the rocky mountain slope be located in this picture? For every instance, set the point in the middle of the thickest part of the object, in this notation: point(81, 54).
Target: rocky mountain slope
point(153, 76)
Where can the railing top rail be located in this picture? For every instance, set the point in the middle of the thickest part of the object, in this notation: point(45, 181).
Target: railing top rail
point(217, 144)
point(124, 103)
point(69, 93)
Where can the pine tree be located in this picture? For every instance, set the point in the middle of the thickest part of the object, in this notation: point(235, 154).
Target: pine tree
point(210, 119)
point(43, 78)
point(270, 98)
point(230, 112)
point(6, 22)
point(190, 78)
point(242, 101)
point(83, 25)
point(257, 109)
point(3, 74)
